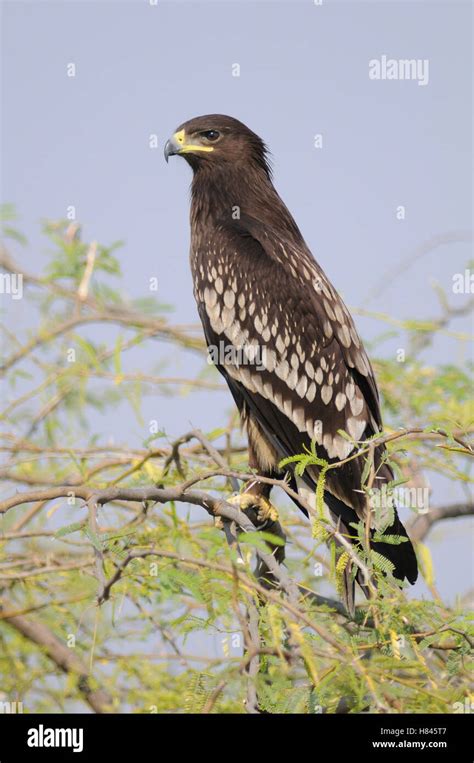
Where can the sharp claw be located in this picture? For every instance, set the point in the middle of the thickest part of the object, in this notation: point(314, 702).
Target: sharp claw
point(265, 510)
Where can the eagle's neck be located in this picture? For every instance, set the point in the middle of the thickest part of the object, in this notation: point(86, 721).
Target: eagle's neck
point(231, 192)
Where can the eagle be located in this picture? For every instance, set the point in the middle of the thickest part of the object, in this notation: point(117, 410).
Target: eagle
point(283, 339)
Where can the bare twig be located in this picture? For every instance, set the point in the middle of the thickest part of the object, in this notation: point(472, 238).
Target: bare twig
point(83, 290)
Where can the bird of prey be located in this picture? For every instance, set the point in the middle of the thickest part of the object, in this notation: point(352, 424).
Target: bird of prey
point(287, 345)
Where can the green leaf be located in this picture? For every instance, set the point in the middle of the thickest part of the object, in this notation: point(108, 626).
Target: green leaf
point(68, 529)
point(366, 470)
point(393, 540)
point(381, 563)
point(258, 539)
point(118, 356)
point(15, 235)
point(94, 539)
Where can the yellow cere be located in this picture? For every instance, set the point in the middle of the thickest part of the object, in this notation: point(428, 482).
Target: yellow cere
point(185, 148)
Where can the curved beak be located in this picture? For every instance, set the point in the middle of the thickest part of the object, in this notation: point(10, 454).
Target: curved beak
point(171, 148)
point(175, 144)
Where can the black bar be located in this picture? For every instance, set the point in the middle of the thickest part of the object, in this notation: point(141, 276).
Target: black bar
point(175, 736)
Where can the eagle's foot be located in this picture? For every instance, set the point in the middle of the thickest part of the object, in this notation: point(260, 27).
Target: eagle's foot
point(263, 516)
point(259, 508)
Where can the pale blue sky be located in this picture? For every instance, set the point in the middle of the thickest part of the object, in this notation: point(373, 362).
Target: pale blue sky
point(144, 69)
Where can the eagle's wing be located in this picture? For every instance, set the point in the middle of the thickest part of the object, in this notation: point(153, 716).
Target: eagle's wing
point(290, 353)
point(301, 369)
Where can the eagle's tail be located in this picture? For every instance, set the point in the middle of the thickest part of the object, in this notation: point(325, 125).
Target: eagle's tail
point(401, 555)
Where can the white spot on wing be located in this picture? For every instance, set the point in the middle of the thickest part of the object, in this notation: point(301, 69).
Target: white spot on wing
point(326, 394)
point(357, 404)
point(355, 427)
point(343, 335)
point(302, 386)
point(311, 393)
point(229, 298)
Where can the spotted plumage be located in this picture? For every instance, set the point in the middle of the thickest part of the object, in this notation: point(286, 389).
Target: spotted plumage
point(299, 372)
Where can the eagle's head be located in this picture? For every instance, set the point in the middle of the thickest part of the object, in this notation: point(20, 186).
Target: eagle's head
point(216, 140)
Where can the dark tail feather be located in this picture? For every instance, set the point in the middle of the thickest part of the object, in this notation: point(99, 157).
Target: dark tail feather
point(401, 555)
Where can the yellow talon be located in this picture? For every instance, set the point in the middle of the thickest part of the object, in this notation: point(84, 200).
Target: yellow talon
point(265, 510)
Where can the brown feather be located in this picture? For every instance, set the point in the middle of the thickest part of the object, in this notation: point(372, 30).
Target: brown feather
point(258, 287)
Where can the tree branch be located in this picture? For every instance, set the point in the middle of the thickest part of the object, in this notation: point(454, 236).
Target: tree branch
point(419, 527)
point(61, 655)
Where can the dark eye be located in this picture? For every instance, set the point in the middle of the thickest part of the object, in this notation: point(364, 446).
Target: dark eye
point(211, 135)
